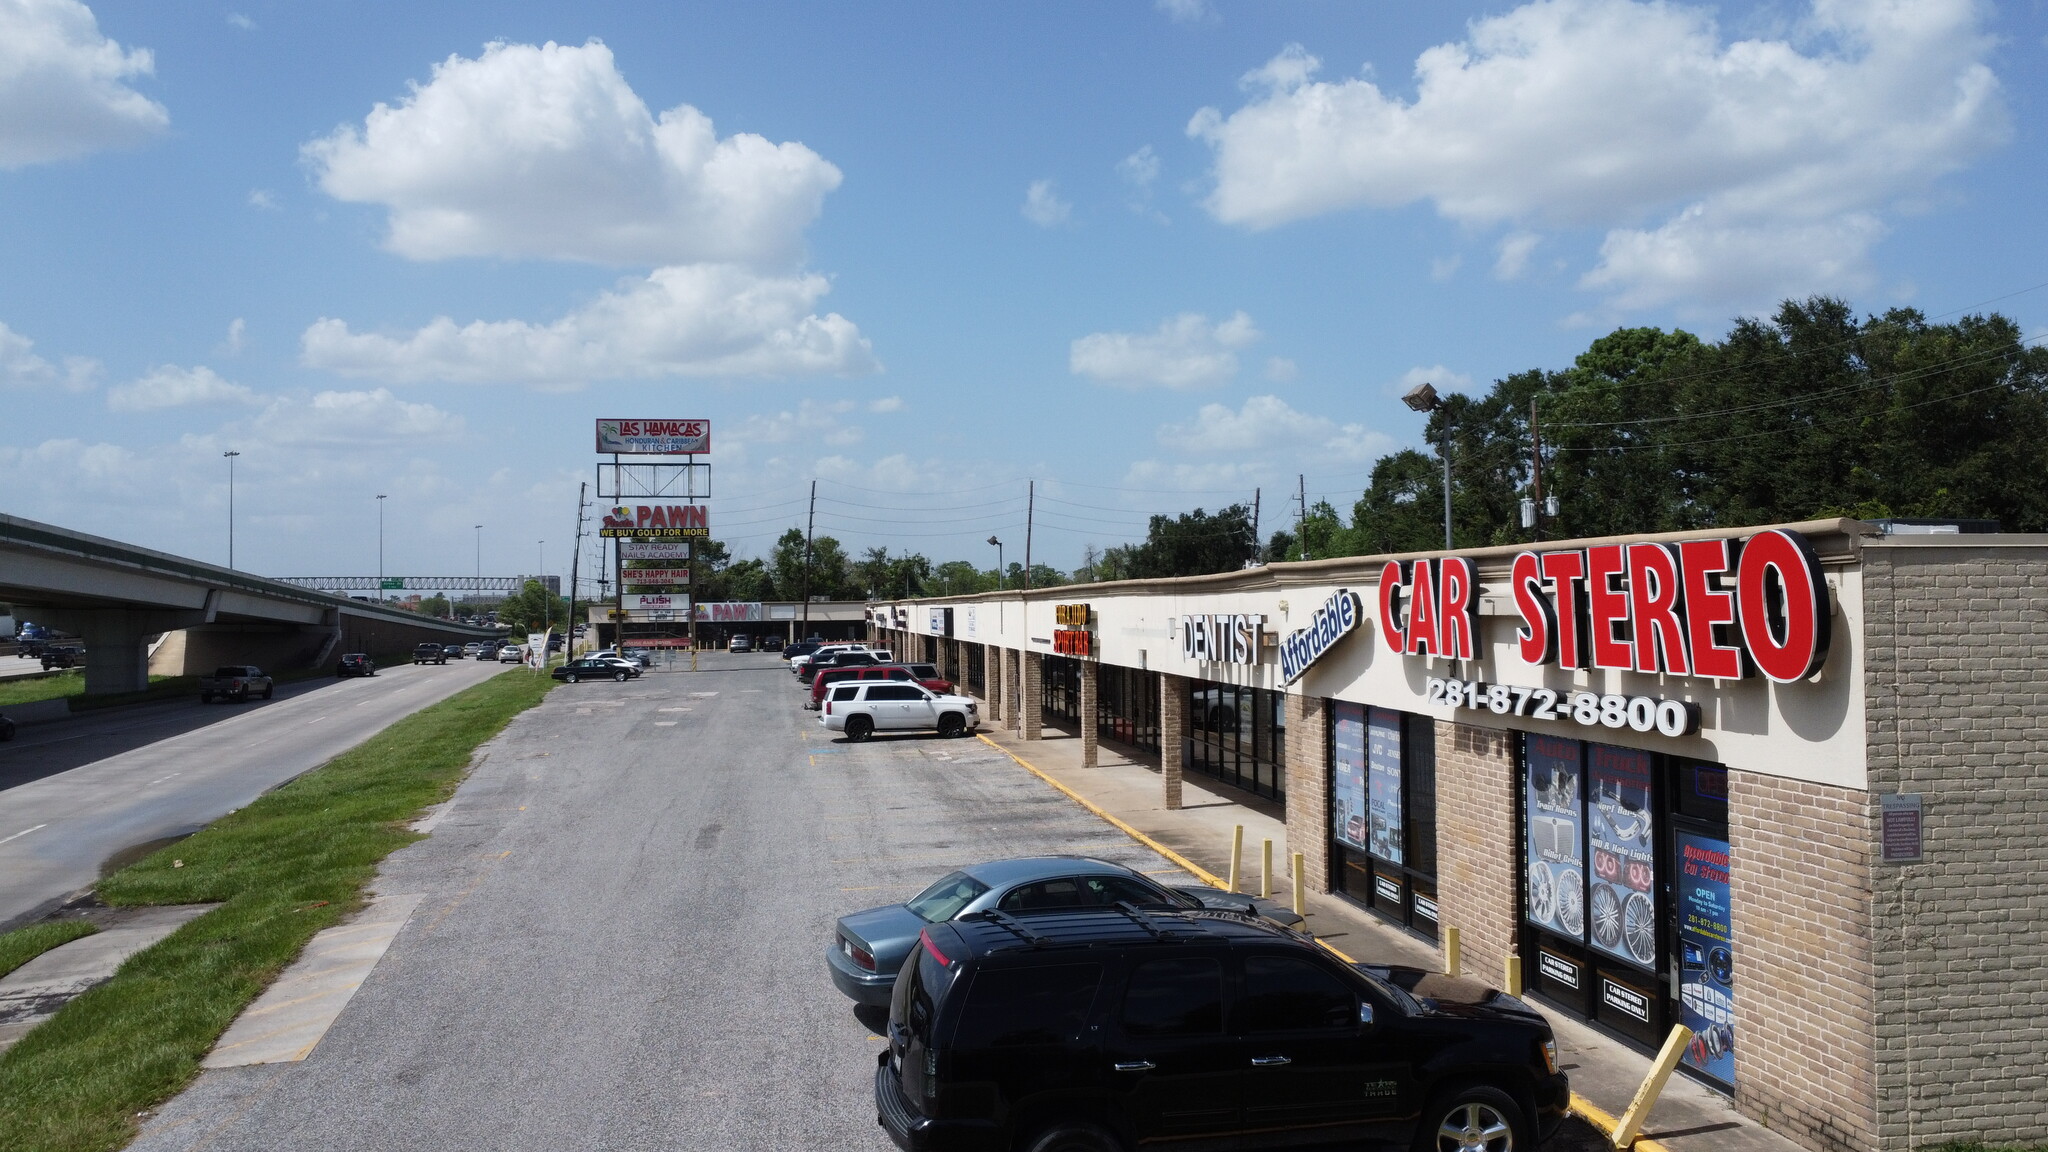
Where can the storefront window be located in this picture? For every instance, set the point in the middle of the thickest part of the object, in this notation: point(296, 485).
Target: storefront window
point(1127, 706)
point(1239, 736)
point(1383, 812)
point(977, 670)
point(1059, 683)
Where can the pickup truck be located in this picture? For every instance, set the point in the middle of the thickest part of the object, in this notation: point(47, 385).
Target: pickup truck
point(429, 654)
point(235, 682)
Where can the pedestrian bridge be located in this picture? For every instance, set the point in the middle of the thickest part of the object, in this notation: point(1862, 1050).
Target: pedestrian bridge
point(119, 598)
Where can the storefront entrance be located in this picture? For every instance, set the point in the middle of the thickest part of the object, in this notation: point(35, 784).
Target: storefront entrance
point(1239, 736)
point(1625, 901)
point(1383, 812)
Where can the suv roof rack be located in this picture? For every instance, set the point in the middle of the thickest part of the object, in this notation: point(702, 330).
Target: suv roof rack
point(1003, 919)
point(1145, 921)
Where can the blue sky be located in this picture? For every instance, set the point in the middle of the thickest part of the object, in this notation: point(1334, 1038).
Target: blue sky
point(1152, 255)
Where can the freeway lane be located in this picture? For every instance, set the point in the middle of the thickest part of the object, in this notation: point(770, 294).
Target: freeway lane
point(157, 775)
point(622, 936)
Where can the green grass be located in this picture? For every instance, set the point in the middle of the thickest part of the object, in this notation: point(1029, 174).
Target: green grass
point(283, 868)
point(25, 944)
point(28, 690)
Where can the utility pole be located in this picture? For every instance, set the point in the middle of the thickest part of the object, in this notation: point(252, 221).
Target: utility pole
point(575, 565)
point(810, 526)
point(231, 506)
point(1030, 504)
point(1302, 524)
point(1255, 525)
point(547, 600)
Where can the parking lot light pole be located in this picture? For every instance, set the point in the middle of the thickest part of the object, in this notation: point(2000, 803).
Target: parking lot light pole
point(1423, 398)
point(231, 505)
point(999, 562)
point(380, 548)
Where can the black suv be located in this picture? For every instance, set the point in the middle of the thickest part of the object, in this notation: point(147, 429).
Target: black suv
point(1106, 1029)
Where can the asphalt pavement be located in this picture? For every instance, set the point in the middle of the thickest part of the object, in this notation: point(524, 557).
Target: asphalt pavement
point(620, 939)
point(77, 793)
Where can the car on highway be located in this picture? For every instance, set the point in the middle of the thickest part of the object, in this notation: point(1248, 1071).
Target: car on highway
point(56, 657)
point(1105, 1029)
point(235, 682)
point(469, 650)
point(865, 707)
point(588, 668)
point(741, 643)
point(512, 654)
point(429, 654)
point(355, 664)
point(452, 651)
point(489, 649)
point(923, 675)
point(868, 947)
point(29, 648)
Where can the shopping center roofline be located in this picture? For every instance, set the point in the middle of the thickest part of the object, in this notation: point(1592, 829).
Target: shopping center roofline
point(1837, 542)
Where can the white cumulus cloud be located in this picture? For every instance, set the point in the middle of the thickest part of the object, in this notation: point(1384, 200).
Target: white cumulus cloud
point(1267, 425)
point(1444, 379)
point(547, 152)
point(690, 320)
point(346, 419)
point(169, 386)
point(1768, 159)
point(1186, 11)
point(1187, 351)
point(21, 367)
point(1043, 206)
point(63, 90)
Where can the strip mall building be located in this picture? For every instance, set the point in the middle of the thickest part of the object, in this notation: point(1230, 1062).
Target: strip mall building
point(1786, 786)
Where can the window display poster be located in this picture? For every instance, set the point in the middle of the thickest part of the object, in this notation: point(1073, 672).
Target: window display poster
point(1347, 774)
point(1706, 962)
point(1621, 834)
point(1556, 894)
point(1383, 784)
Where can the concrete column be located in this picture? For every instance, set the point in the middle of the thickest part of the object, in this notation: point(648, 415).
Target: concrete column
point(1031, 708)
point(1308, 787)
point(1090, 675)
point(1173, 735)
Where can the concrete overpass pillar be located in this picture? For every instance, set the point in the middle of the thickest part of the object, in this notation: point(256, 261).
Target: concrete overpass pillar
point(116, 649)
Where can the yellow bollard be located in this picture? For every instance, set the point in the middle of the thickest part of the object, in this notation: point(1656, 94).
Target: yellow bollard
point(1631, 1122)
point(1454, 956)
point(1236, 855)
point(1266, 869)
point(1300, 889)
point(1513, 983)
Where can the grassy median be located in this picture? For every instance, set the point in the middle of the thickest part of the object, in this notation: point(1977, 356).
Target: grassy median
point(283, 868)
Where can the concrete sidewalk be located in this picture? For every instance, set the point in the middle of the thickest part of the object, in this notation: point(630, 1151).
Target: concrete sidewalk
point(1689, 1117)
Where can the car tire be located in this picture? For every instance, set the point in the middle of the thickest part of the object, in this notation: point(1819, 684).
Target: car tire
point(1074, 1138)
point(619, 676)
point(859, 728)
point(269, 692)
point(573, 678)
point(1476, 1116)
point(952, 726)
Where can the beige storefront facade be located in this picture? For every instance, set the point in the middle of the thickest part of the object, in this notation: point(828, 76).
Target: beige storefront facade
point(1787, 785)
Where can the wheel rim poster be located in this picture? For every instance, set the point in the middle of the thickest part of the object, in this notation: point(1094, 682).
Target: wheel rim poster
point(1621, 908)
point(1348, 819)
point(1365, 800)
point(1555, 896)
point(1707, 960)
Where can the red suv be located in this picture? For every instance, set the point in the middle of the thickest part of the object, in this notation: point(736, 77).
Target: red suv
point(924, 674)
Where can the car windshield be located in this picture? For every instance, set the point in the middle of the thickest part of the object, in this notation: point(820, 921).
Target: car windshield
point(944, 900)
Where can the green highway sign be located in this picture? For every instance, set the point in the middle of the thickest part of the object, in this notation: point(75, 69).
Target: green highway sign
point(390, 582)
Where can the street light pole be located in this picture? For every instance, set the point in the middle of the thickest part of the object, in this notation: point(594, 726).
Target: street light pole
point(1423, 398)
point(380, 549)
point(231, 505)
point(547, 602)
point(999, 562)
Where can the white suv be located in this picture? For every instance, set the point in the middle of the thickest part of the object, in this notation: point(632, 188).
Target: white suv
point(862, 708)
point(796, 663)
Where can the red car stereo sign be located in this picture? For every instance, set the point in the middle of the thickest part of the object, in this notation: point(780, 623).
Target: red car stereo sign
point(1722, 609)
point(657, 521)
point(654, 437)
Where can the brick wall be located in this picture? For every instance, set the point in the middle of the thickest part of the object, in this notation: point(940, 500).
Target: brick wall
point(1800, 889)
point(992, 687)
point(1173, 735)
point(1031, 709)
point(1475, 843)
point(1953, 712)
point(1308, 787)
point(1091, 674)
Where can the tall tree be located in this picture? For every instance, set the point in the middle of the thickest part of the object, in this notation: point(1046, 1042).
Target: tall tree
point(1195, 543)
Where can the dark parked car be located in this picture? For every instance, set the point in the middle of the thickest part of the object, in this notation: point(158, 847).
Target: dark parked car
point(801, 648)
point(596, 668)
point(62, 658)
point(852, 658)
point(1102, 1030)
point(356, 664)
point(868, 947)
point(771, 644)
point(430, 654)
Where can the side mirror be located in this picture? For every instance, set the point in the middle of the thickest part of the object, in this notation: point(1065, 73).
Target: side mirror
point(1364, 1014)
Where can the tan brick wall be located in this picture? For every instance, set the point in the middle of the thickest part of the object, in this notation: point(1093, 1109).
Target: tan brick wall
point(1800, 890)
point(1091, 674)
point(992, 682)
point(1173, 735)
point(1475, 843)
point(1308, 787)
point(1954, 713)
point(1031, 708)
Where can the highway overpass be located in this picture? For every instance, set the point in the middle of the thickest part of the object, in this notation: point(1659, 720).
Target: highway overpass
point(119, 598)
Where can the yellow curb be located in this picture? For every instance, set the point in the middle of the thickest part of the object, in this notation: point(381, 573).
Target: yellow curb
point(1580, 1106)
point(1207, 877)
